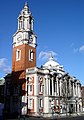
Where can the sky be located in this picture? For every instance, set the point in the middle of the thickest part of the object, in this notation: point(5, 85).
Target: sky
point(59, 26)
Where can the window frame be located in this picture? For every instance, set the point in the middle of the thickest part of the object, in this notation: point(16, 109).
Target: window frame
point(30, 103)
point(18, 55)
point(41, 88)
point(30, 89)
point(41, 102)
point(31, 55)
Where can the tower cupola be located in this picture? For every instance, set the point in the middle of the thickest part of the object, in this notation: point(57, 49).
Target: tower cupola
point(25, 33)
point(25, 19)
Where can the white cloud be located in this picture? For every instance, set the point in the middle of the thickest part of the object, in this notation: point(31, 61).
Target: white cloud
point(4, 65)
point(44, 55)
point(81, 49)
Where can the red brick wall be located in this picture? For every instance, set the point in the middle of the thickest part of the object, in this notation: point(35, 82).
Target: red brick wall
point(24, 62)
point(19, 67)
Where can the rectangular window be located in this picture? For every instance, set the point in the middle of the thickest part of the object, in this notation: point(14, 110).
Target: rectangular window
point(41, 103)
point(31, 55)
point(18, 54)
point(30, 103)
point(41, 88)
point(30, 88)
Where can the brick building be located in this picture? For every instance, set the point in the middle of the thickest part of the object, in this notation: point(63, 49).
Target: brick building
point(36, 91)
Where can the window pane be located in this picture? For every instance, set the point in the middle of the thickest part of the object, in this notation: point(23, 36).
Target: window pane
point(30, 103)
point(18, 54)
point(31, 55)
point(40, 87)
point(30, 87)
point(41, 103)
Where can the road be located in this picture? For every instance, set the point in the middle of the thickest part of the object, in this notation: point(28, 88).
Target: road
point(61, 118)
point(72, 118)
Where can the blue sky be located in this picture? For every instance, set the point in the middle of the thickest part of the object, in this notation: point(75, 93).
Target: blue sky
point(59, 26)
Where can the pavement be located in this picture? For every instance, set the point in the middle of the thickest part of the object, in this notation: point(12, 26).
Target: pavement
point(74, 117)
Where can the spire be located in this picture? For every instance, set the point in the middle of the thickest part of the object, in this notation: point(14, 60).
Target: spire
point(26, 5)
point(51, 56)
point(25, 10)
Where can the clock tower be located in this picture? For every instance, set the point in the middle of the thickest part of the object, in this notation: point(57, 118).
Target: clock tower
point(24, 43)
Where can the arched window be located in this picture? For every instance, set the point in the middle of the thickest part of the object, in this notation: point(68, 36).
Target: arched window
point(31, 55)
point(20, 22)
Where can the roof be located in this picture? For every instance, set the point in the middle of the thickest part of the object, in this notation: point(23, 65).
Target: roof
point(51, 63)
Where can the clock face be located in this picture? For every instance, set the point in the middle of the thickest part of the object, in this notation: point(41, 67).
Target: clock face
point(19, 38)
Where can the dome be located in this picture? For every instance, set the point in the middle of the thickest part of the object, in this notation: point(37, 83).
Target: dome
point(51, 63)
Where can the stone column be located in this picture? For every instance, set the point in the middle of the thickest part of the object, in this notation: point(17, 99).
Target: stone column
point(57, 87)
point(79, 91)
point(45, 87)
point(73, 89)
point(36, 94)
point(60, 89)
point(69, 87)
point(52, 86)
point(32, 25)
point(77, 107)
point(49, 85)
point(76, 90)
